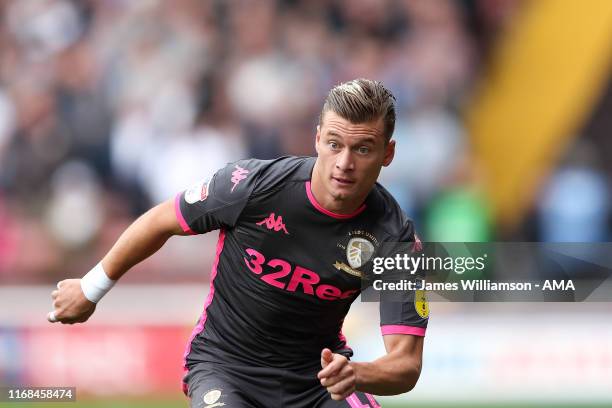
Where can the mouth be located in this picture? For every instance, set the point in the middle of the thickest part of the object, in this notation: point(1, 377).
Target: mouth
point(343, 181)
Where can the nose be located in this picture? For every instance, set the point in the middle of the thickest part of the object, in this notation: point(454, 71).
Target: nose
point(344, 160)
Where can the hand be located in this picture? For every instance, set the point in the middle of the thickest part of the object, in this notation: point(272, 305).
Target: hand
point(337, 375)
point(70, 304)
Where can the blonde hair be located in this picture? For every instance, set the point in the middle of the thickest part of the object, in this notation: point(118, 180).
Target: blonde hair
point(362, 100)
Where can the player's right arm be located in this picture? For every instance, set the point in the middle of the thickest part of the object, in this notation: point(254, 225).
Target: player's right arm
point(141, 239)
point(213, 203)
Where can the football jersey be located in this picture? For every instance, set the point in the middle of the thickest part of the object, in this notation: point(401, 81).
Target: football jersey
point(286, 269)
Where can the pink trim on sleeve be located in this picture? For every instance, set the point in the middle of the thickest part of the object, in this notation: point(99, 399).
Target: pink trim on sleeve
point(320, 208)
point(373, 402)
point(179, 215)
point(354, 402)
point(401, 329)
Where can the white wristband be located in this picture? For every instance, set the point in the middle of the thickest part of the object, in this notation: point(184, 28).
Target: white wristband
point(96, 283)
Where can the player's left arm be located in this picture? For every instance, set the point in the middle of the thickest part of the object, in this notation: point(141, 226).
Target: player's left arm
point(397, 371)
point(394, 373)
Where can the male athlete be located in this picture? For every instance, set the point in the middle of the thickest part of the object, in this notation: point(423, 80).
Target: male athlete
point(296, 236)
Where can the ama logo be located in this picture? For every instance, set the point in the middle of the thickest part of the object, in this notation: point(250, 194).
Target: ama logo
point(558, 285)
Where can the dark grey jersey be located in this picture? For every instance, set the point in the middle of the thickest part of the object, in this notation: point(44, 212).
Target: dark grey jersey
point(286, 269)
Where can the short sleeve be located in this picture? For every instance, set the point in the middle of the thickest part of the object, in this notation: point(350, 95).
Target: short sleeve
point(407, 317)
point(217, 201)
point(410, 314)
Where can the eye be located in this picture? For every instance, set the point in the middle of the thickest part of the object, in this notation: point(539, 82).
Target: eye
point(363, 150)
point(333, 145)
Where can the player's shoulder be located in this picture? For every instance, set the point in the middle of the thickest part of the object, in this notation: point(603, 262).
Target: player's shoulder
point(272, 174)
point(284, 165)
point(392, 217)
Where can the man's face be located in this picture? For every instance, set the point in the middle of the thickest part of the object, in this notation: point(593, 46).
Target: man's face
point(350, 156)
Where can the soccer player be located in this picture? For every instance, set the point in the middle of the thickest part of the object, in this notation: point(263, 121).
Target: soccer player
point(296, 237)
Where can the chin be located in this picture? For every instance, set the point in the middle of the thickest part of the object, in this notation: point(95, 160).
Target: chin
point(339, 195)
point(343, 196)
point(342, 193)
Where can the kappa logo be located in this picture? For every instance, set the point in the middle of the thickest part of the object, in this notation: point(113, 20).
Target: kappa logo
point(273, 223)
point(238, 175)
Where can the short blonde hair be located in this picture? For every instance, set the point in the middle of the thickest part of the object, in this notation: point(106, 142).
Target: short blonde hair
point(362, 100)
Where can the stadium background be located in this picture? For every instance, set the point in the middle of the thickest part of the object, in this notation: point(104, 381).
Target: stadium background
point(109, 106)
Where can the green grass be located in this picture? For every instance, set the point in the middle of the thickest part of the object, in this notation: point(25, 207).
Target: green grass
point(98, 404)
point(183, 402)
point(103, 403)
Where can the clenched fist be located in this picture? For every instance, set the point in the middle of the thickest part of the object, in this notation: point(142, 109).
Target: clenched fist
point(337, 375)
point(70, 304)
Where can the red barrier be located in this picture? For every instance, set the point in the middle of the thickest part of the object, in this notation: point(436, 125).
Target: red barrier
point(104, 360)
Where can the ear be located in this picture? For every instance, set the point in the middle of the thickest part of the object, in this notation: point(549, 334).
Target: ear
point(389, 153)
point(318, 138)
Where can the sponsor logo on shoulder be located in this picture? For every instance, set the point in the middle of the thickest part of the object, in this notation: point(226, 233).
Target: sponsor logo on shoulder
point(197, 192)
point(211, 399)
point(420, 303)
point(272, 222)
point(237, 176)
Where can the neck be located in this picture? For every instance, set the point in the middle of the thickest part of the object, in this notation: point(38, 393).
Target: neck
point(326, 200)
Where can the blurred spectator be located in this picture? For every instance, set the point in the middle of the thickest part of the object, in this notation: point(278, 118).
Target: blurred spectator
point(458, 215)
point(430, 146)
point(563, 217)
point(7, 122)
point(108, 107)
point(74, 215)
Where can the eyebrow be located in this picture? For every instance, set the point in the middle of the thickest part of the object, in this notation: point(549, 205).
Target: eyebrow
point(366, 139)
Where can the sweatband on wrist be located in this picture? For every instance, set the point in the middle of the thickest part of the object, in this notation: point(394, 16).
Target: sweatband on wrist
point(95, 284)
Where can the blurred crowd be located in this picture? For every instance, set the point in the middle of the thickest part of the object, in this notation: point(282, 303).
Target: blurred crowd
point(108, 107)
